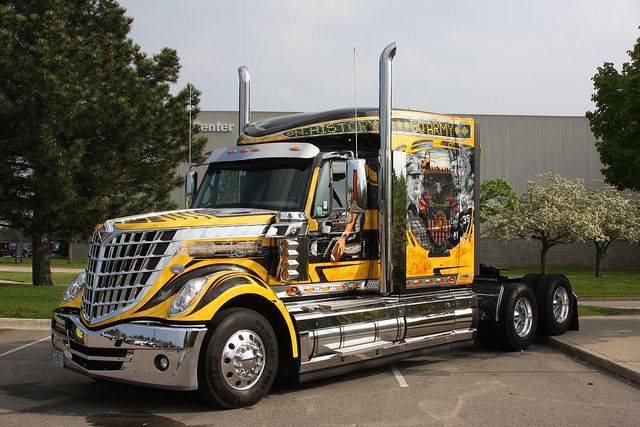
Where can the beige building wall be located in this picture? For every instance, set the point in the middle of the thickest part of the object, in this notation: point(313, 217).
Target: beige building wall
point(519, 147)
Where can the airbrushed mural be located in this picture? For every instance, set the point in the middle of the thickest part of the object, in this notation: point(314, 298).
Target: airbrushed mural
point(440, 178)
point(439, 195)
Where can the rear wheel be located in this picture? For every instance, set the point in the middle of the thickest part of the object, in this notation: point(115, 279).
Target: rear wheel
point(516, 327)
point(555, 299)
point(240, 361)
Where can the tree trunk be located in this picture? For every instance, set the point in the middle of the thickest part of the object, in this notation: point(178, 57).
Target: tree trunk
point(41, 269)
point(543, 259)
point(598, 263)
point(601, 253)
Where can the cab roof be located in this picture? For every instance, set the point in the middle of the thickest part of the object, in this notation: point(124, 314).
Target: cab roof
point(278, 124)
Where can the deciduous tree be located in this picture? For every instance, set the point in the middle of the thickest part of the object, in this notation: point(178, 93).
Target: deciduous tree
point(552, 210)
point(612, 217)
point(615, 120)
point(90, 129)
point(496, 195)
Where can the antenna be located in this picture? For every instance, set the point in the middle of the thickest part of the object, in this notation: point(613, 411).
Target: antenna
point(190, 107)
point(355, 98)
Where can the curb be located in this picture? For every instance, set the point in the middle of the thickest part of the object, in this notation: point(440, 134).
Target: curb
point(588, 299)
point(594, 359)
point(31, 324)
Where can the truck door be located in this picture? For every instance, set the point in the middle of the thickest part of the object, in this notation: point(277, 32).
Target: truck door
point(337, 249)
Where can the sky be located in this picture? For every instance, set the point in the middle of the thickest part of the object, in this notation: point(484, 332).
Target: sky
point(461, 57)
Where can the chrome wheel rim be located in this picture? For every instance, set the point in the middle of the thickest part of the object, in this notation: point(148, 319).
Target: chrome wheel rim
point(561, 304)
point(242, 359)
point(523, 317)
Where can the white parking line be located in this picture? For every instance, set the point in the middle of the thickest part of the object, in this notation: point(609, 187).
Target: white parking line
point(24, 346)
point(398, 375)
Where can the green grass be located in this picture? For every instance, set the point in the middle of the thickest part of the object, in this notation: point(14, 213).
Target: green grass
point(31, 302)
point(55, 262)
point(618, 282)
point(584, 310)
point(58, 278)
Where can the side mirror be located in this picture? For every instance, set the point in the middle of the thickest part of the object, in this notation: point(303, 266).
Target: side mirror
point(356, 187)
point(190, 187)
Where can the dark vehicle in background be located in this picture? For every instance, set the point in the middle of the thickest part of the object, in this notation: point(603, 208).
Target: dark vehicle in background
point(7, 248)
point(59, 248)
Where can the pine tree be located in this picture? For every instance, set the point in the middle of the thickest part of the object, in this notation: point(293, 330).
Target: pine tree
point(88, 126)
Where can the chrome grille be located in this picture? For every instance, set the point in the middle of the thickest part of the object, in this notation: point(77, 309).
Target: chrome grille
point(121, 268)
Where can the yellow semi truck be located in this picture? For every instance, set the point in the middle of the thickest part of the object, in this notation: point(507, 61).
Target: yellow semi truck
point(319, 244)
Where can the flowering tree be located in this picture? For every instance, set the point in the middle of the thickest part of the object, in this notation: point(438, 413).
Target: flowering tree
point(553, 210)
point(612, 217)
point(496, 195)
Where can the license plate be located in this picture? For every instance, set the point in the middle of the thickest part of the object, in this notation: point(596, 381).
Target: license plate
point(57, 358)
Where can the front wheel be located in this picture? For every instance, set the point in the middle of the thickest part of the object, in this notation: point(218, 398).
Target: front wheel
point(240, 361)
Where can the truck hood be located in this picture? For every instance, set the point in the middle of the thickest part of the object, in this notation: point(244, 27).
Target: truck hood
point(192, 218)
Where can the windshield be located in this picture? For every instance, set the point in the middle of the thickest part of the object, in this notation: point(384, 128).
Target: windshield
point(273, 184)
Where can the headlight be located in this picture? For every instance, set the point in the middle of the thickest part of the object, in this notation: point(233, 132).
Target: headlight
point(74, 288)
point(189, 293)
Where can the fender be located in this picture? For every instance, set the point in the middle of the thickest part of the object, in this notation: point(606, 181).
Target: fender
point(228, 285)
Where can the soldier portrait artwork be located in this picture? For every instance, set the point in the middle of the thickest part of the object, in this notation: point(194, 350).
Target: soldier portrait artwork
point(440, 203)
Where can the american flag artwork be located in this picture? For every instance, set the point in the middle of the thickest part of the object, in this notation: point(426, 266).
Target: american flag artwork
point(439, 228)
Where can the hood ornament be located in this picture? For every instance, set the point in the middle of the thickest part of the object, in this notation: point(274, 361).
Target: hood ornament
point(106, 231)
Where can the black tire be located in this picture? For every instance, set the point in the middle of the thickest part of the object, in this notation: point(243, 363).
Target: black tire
point(555, 299)
point(235, 333)
point(515, 334)
point(531, 280)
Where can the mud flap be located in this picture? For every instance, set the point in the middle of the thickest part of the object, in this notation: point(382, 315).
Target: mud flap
point(575, 323)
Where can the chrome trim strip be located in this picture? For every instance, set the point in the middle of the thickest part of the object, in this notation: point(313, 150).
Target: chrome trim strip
point(122, 273)
point(131, 257)
point(102, 358)
point(363, 285)
point(499, 302)
point(102, 304)
point(150, 242)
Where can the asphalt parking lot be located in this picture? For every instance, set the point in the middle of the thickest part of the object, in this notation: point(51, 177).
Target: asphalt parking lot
point(466, 387)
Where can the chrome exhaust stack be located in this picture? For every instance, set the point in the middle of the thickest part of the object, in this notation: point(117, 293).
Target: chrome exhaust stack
point(386, 168)
point(245, 95)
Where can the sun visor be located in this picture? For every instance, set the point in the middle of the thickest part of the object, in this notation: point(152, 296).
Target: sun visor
point(275, 150)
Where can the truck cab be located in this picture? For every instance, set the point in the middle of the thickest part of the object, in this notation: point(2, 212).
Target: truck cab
point(319, 244)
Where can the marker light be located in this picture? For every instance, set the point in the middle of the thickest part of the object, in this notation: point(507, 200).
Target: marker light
point(293, 290)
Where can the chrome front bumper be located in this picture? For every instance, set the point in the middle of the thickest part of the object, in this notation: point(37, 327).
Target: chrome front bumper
point(129, 352)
